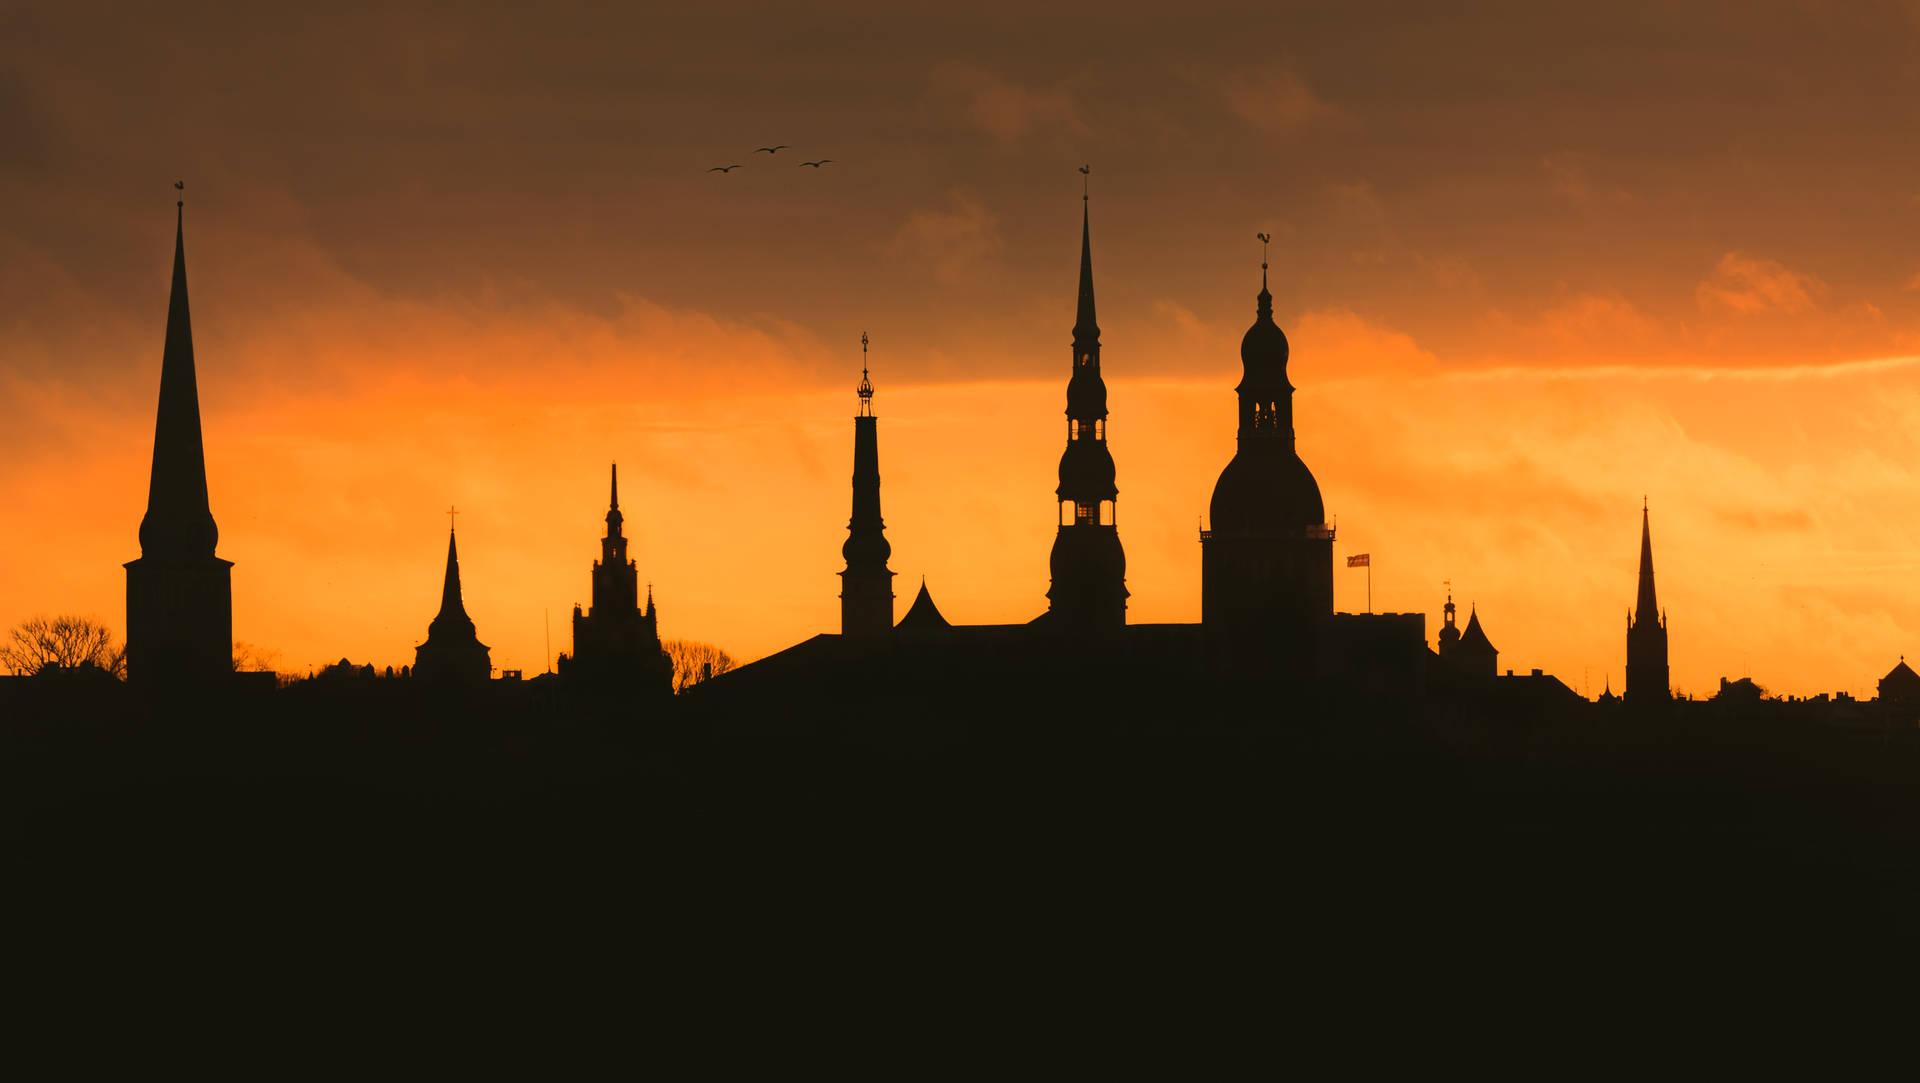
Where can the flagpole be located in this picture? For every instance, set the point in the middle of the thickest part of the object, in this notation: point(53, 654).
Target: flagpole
point(1369, 585)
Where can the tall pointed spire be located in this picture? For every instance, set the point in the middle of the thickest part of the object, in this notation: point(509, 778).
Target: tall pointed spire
point(1647, 671)
point(614, 518)
point(452, 651)
point(453, 609)
point(179, 521)
point(179, 594)
point(1647, 607)
point(1085, 325)
point(866, 586)
point(1089, 567)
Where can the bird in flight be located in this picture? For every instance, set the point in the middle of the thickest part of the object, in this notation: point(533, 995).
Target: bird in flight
point(771, 150)
point(819, 163)
point(724, 168)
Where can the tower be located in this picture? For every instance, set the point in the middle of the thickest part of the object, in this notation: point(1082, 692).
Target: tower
point(179, 594)
point(1089, 589)
point(1266, 564)
point(1449, 633)
point(1647, 632)
point(452, 654)
point(616, 641)
point(866, 586)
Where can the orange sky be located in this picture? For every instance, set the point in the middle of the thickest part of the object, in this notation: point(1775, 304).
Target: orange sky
point(1533, 266)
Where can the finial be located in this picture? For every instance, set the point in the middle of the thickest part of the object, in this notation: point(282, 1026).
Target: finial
point(865, 390)
point(1086, 171)
point(451, 512)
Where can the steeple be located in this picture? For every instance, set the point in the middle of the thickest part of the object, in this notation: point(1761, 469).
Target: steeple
point(1089, 567)
point(1647, 672)
point(866, 586)
point(616, 644)
point(452, 652)
point(1647, 606)
point(179, 521)
point(452, 618)
point(179, 594)
point(614, 518)
point(1086, 328)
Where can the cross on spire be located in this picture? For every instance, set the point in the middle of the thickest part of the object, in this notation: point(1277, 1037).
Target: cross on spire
point(451, 512)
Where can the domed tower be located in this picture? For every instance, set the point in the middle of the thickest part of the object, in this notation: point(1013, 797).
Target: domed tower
point(1089, 588)
point(1266, 564)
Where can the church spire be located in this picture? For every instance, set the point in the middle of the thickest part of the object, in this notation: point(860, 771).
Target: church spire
point(179, 594)
point(179, 521)
point(1088, 565)
point(1647, 671)
point(1647, 606)
point(1085, 327)
point(452, 651)
point(866, 586)
point(453, 609)
point(614, 518)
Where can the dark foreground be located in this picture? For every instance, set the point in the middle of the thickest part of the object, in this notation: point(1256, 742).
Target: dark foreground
point(1159, 843)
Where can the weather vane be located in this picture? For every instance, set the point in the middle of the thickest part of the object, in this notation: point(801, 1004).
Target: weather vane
point(865, 390)
point(1085, 172)
point(1265, 239)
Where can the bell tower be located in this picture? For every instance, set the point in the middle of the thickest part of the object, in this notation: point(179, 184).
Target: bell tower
point(866, 586)
point(1089, 589)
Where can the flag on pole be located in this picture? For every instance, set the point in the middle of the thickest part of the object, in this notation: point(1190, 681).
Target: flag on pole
point(1359, 560)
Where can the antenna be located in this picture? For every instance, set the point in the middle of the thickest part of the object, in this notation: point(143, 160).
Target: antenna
point(546, 615)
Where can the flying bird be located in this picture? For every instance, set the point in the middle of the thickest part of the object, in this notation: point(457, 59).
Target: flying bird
point(819, 163)
point(771, 150)
point(724, 168)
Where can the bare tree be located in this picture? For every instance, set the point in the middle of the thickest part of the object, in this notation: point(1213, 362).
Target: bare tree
point(63, 642)
point(691, 660)
point(251, 658)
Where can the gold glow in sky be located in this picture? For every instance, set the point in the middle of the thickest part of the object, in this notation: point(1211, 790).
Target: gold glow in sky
point(1534, 265)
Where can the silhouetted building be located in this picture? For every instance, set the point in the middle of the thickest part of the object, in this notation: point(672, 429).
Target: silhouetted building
point(1470, 654)
point(179, 594)
point(1266, 563)
point(1647, 633)
point(923, 615)
point(1901, 685)
point(616, 641)
point(1089, 589)
point(866, 586)
point(452, 654)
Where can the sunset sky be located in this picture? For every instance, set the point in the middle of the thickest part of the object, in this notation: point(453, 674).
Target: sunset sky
point(1535, 261)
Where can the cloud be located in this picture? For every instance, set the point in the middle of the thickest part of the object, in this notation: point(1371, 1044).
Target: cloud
point(952, 241)
point(1275, 100)
point(1334, 343)
point(1004, 109)
point(1570, 175)
point(1913, 283)
point(1748, 285)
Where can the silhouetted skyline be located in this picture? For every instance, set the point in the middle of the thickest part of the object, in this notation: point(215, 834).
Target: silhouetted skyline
point(1501, 341)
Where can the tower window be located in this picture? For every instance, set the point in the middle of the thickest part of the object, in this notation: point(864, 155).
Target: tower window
point(1066, 512)
point(1100, 429)
point(1083, 514)
point(1106, 513)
